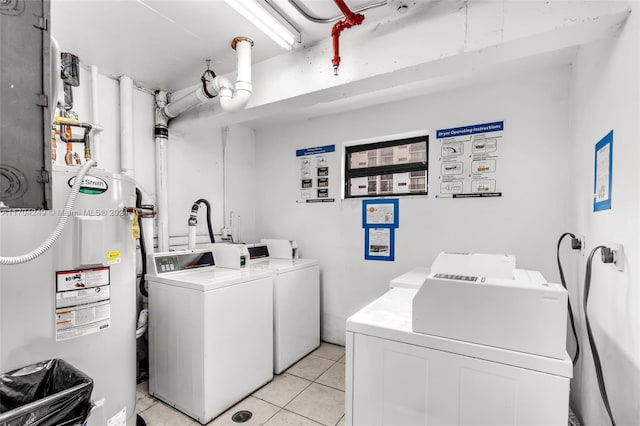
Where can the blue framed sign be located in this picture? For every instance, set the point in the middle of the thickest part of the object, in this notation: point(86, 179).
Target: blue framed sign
point(380, 213)
point(379, 244)
point(603, 173)
point(380, 219)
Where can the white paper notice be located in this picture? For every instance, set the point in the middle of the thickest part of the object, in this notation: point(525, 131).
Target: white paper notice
point(83, 302)
point(379, 241)
point(602, 176)
point(380, 214)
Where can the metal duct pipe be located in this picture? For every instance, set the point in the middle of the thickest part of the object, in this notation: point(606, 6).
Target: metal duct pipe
point(304, 11)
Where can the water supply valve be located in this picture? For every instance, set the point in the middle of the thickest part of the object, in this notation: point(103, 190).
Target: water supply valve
point(145, 211)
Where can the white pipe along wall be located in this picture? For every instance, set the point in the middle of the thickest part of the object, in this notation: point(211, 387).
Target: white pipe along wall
point(232, 98)
point(95, 114)
point(126, 126)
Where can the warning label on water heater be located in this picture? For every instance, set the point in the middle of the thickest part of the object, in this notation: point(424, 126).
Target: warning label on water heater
point(83, 302)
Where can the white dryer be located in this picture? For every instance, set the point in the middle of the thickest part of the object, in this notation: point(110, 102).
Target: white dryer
point(210, 332)
point(395, 376)
point(296, 305)
point(460, 350)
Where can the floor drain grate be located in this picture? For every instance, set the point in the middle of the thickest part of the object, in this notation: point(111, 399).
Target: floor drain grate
point(241, 416)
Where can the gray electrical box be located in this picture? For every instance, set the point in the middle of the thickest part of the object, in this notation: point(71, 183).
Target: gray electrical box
point(25, 116)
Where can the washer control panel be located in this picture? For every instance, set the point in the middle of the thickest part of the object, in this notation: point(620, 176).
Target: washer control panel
point(179, 261)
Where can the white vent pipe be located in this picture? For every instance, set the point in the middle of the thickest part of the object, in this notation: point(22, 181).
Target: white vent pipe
point(55, 77)
point(95, 115)
point(162, 162)
point(126, 126)
point(232, 97)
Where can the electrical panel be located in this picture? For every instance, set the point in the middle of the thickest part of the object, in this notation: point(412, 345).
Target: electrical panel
point(25, 115)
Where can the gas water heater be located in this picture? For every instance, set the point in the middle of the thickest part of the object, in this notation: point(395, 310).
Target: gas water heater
point(77, 301)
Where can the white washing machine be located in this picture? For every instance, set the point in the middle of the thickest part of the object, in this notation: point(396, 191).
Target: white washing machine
point(296, 305)
point(398, 376)
point(210, 332)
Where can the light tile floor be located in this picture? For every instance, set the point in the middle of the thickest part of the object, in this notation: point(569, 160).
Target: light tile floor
point(309, 393)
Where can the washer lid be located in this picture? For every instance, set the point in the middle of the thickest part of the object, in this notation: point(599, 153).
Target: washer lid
point(389, 317)
point(280, 266)
point(207, 279)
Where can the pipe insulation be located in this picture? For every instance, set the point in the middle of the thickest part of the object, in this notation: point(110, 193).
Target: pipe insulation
point(126, 127)
point(95, 114)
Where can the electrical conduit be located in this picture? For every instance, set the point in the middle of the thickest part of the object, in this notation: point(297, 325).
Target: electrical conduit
point(66, 212)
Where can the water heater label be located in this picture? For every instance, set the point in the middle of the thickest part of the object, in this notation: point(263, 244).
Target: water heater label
point(91, 185)
point(113, 256)
point(83, 302)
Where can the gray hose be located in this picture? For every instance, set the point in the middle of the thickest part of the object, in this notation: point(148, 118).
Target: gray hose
point(68, 207)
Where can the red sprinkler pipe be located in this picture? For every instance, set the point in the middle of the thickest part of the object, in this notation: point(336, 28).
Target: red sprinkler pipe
point(350, 19)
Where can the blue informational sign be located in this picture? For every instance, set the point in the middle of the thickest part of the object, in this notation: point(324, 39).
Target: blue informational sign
point(380, 218)
point(315, 150)
point(315, 174)
point(603, 173)
point(496, 126)
point(379, 244)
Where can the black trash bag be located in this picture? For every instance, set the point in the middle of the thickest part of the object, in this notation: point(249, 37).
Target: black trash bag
point(47, 393)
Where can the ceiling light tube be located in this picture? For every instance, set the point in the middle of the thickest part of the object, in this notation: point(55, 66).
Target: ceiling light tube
point(262, 19)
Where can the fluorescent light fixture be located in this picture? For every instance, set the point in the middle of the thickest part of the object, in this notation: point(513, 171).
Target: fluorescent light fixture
point(262, 19)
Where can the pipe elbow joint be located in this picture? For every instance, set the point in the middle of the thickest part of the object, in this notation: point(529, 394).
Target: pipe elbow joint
point(239, 100)
point(244, 85)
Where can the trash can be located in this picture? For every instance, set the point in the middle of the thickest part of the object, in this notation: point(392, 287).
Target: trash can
point(47, 393)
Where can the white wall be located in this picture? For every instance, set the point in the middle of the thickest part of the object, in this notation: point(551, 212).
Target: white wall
point(605, 96)
point(196, 171)
point(526, 221)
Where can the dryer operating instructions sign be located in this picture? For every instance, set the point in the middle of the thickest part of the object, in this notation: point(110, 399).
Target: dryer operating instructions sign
point(315, 174)
point(470, 161)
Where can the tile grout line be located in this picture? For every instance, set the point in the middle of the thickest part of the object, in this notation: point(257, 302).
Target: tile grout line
point(310, 383)
point(334, 362)
point(317, 383)
point(308, 418)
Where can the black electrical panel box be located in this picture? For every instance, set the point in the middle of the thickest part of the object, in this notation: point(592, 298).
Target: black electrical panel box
point(25, 104)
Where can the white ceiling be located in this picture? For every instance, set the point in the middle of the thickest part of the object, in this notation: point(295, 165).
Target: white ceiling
point(164, 43)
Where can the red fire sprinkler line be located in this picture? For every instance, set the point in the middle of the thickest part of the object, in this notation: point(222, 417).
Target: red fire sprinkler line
point(350, 19)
